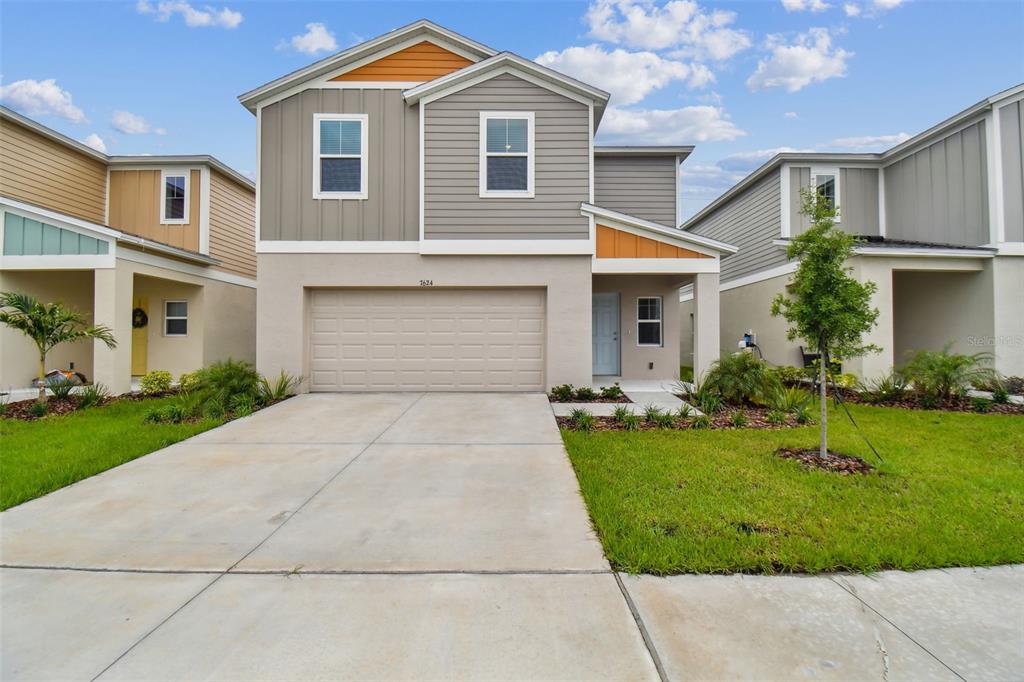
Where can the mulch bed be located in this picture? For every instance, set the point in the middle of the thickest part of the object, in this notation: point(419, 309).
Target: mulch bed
point(757, 418)
point(618, 401)
point(56, 406)
point(964, 404)
point(833, 461)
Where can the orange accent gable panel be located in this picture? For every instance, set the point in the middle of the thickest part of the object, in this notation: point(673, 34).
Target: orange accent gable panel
point(420, 62)
point(612, 243)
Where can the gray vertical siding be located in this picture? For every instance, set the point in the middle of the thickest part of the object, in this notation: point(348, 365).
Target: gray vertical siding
point(858, 199)
point(453, 208)
point(1011, 125)
point(641, 186)
point(750, 222)
point(288, 210)
point(939, 194)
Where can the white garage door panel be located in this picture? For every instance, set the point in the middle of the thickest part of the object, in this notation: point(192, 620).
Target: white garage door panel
point(427, 339)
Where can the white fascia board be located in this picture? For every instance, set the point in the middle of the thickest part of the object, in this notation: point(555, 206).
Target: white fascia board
point(646, 228)
point(654, 266)
point(770, 273)
point(69, 262)
point(1011, 249)
point(281, 246)
point(785, 176)
point(506, 247)
point(156, 260)
point(204, 210)
point(911, 252)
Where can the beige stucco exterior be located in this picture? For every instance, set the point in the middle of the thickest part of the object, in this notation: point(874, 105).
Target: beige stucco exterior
point(284, 282)
point(636, 361)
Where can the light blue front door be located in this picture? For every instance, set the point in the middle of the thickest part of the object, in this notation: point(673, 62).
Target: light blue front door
point(606, 334)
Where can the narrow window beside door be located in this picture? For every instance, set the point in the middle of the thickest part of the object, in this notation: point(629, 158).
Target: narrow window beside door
point(175, 318)
point(648, 321)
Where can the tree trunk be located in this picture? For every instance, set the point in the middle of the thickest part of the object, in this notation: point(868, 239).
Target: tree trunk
point(42, 377)
point(822, 378)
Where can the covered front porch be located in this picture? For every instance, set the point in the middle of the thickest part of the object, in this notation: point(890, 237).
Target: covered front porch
point(638, 269)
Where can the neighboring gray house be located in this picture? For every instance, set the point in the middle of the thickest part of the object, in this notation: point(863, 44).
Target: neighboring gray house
point(434, 215)
point(943, 216)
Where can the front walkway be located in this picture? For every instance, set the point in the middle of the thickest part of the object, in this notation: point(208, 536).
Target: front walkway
point(396, 536)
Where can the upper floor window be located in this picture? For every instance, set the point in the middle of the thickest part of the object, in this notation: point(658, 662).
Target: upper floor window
point(174, 200)
point(506, 154)
point(339, 156)
point(826, 184)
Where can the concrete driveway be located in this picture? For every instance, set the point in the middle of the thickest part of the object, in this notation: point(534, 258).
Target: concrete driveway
point(398, 536)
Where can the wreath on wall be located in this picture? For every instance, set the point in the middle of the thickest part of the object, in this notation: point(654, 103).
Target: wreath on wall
point(139, 318)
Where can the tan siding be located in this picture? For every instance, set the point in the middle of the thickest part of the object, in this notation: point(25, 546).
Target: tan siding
point(46, 173)
point(420, 62)
point(135, 207)
point(232, 226)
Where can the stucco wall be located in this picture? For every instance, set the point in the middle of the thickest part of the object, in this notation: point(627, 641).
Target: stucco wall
point(634, 359)
point(18, 355)
point(284, 281)
point(175, 354)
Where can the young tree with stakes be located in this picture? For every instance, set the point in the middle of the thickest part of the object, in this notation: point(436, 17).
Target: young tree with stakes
point(48, 325)
point(824, 305)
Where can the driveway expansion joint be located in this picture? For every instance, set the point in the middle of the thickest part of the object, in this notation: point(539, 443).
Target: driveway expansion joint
point(638, 619)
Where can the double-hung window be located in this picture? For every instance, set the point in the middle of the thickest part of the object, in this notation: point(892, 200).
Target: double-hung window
point(826, 184)
point(506, 154)
point(174, 197)
point(648, 321)
point(339, 154)
point(175, 318)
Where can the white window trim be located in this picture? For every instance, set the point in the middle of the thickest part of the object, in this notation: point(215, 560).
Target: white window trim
point(175, 317)
point(530, 155)
point(364, 153)
point(660, 321)
point(828, 170)
point(172, 173)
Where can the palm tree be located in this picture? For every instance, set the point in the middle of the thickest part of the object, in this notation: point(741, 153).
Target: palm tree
point(48, 325)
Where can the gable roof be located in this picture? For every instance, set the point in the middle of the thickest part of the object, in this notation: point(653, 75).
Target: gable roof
point(507, 62)
point(660, 232)
point(423, 29)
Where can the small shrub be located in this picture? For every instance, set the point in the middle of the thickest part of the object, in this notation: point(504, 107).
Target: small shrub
point(789, 399)
point(38, 409)
point(61, 388)
point(701, 421)
point(803, 414)
point(651, 412)
point(585, 394)
point(182, 408)
point(844, 380)
point(156, 382)
point(92, 395)
point(709, 403)
point(222, 381)
point(981, 404)
point(631, 422)
point(281, 388)
point(738, 418)
point(613, 392)
point(664, 420)
point(888, 388)
point(563, 393)
point(928, 401)
point(581, 420)
point(776, 417)
point(213, 408)
point(1000, 395)
point(944, 375)
point(243, 405)
point(620, 413)
point(741, 379)
point(788, 374)
point(189, 381)
point(685, 410)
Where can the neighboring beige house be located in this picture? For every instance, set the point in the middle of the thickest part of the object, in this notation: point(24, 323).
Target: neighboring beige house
point(158, 248)
point(434, 215)
point(943, 219)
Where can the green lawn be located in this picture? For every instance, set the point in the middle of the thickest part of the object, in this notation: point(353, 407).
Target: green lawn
point(41, 456)
point(950, 493)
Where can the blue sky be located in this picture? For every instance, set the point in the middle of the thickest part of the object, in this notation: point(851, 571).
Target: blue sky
point(737, 79)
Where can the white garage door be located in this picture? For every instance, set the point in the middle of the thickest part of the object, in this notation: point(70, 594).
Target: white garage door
point(427, 339)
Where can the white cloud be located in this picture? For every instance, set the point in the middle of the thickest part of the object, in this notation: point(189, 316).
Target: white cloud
point(812, 58)
point(41, 98)
point(132, 124)
point(851, 9)
point(668, 126)
point(681, 24)
point(870, 141)
point(316, 39)
point(747, 161)
point(791, 114)
point(805, 5)
point(194, 18)
point(887, 4)
point(628, 76)
point(96, 142)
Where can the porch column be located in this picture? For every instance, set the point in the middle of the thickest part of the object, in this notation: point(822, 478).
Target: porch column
point(706, 323)
point(112, 306)
point(873, 365)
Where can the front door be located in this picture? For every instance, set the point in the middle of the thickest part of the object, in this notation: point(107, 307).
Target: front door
point(606, 334)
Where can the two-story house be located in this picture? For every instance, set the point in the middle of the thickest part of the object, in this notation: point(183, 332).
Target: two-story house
point(942, 217)
point(160, 249)
point(434, 215)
